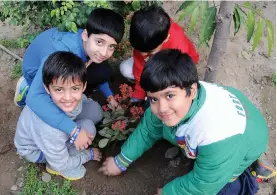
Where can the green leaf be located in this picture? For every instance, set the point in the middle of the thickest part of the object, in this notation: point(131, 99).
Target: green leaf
point(103, 131)
point(110, 106)
point(114, 138)
point(52, 13)
point(188, 10)
point(68, 5)
point(250, 24)
point(203, 9)
point(106, 115)
point(184, 6)
point(107, 120)
point(242, 16)
point(208, 27)
point(103, 143)
point(236, 18)
point(194, 18)
point(116, 132)
point(270, 36)
point(136, 5)
point(258, 33)
point(248, 4)
point(122, 118)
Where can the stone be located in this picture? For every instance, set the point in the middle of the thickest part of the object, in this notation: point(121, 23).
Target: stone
point(20, 169)
point(4, 148)
point(19, 182)
point(46, 177)
point(175, 162)
point(171, 152)
point(14, 188)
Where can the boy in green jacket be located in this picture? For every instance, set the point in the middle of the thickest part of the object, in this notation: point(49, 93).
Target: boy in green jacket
point(215, 125)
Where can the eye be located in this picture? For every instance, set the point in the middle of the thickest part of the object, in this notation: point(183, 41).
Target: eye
point(112, 47)
point(58, 89)
point(170, 96)
point(153, 100)
point(76, 88)
point(99, 42)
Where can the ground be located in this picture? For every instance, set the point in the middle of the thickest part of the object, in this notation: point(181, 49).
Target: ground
point(250, 74)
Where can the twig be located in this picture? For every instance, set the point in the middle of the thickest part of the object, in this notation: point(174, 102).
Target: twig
point(11, 53)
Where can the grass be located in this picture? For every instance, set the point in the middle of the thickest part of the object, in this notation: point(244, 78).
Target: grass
point(34, 185)
point(16, 71)
point(273, 78)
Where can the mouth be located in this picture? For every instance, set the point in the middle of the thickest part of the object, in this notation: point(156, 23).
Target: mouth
point(68, 104)
point(100, 58)
point(166, 117)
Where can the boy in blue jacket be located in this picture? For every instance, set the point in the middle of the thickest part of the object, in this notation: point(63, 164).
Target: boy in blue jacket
point(94, 45)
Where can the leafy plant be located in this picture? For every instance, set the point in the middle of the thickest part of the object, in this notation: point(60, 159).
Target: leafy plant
point(119, 124)
point(34, 185)
point(273, 78)
point(16, 71)
point(243, 15)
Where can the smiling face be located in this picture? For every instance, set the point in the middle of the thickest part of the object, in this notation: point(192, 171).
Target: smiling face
point(66, 94)
point(171, 104)
point(98, 47)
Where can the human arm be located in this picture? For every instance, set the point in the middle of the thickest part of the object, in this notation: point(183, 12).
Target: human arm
point(145, 135)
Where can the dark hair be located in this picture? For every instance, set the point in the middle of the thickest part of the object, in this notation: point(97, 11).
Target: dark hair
point(106, 21)
point(169, 68)
point(65, 65)
point(149, 28)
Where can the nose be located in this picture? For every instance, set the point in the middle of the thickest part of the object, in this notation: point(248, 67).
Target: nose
point(67, 95)
point(103, 51)
point(163, 106)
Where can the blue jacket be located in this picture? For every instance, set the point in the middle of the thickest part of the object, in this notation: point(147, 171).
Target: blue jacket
point(38, 100)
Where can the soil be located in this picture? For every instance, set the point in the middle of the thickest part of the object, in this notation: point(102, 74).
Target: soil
point(152, 170)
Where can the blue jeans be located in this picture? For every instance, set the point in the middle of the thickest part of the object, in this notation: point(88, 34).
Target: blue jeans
point(245, 184)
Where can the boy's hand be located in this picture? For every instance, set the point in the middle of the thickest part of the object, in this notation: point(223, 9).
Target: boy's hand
point(97, 155)
point(113, 102)
point(83, 140)
point(159, 191)
point(109, 167)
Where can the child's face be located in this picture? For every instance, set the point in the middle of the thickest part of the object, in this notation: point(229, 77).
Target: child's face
point(66, 94)
point(171, 104)
point(98, 47)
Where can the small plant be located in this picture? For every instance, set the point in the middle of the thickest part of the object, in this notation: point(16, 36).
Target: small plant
point(119, 124)
point(273, 78)
point(16, 71)
point(34, 185)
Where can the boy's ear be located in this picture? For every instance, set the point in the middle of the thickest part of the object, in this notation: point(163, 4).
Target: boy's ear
point(85, 86)
point(46, 89)
point(193, 90)
point(85, 35)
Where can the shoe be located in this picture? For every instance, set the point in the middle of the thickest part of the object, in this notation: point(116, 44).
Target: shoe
point(21, 91)
point(131, 80)
point(72, 175)
point(264, 170)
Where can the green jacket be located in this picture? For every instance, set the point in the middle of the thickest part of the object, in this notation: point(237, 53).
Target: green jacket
point(223, 130)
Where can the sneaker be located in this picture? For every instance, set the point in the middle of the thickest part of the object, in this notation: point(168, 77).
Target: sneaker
point(21, 91)
point(72, 175)
point(264, 170)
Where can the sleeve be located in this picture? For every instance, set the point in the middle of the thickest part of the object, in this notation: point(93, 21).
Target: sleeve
point(214, 167)
point(187, 46)
point(145, 135)
point(105, 89)
point(57, 153)
point(138, 92)
point(37, 98)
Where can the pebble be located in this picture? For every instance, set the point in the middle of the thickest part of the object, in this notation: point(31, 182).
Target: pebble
point(171, 152)
point(46, 177)
point(20, 169)
point(14, 188)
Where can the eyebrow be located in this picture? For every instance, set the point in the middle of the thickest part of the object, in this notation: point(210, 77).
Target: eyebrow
point(80, 85)
point(164, 94)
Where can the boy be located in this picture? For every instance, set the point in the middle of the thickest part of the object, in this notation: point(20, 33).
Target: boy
point(216, 125)
point(95, 44)
point(64, 79)
point(152, 30)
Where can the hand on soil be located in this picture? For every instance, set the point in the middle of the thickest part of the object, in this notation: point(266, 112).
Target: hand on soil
point(159, 191)
point(109, 167)
point(97, 154)
point(83, 140)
